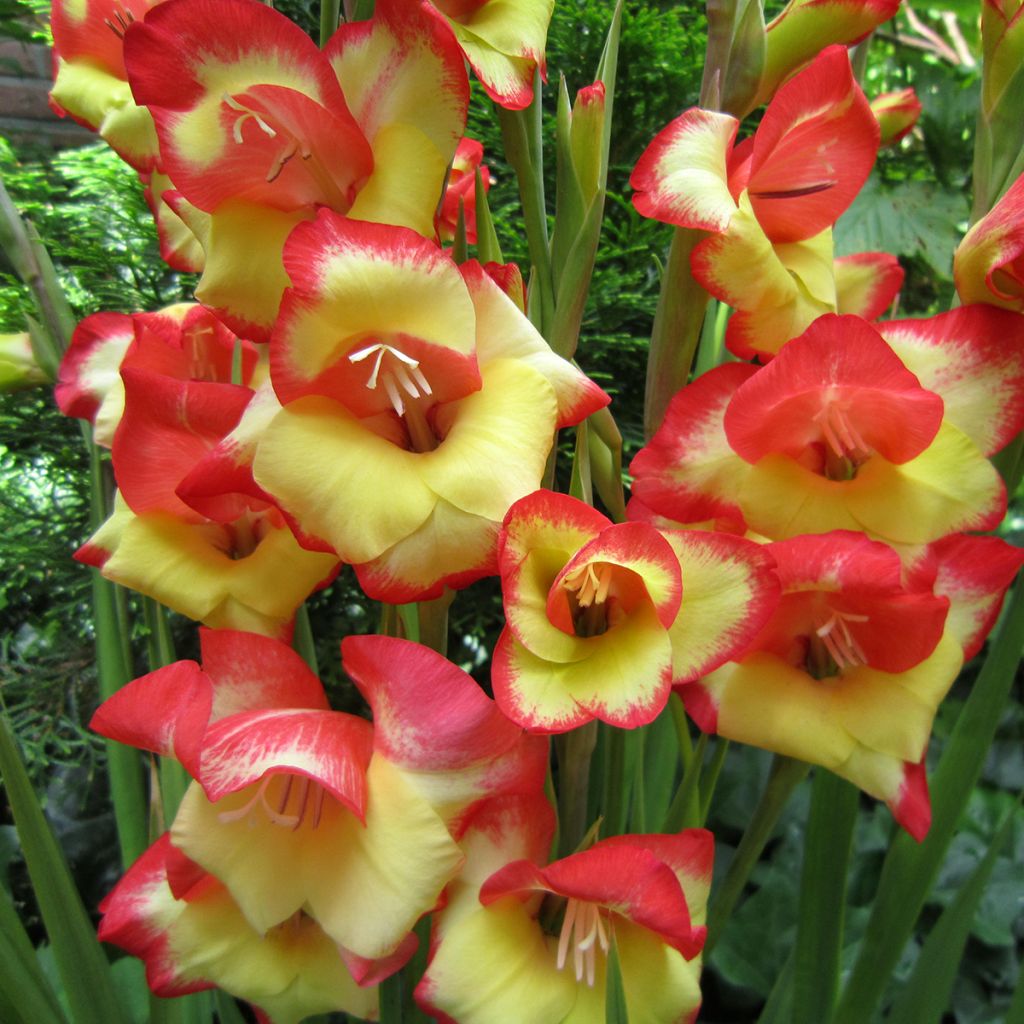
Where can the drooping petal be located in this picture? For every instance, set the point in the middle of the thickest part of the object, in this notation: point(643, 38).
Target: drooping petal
point(180, 247)
point(777, 290)
point(973, 356)
point(497, 964)
point(451, 548)
point(203, 940)
point(681, 178)
point(503, 41)
point(189, 568)
point(245, 292)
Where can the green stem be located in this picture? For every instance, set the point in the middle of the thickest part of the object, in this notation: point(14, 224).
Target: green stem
point(819, 938)
point(786, 775)
point(330, 15)
point(616, 794)
point(707, 789)
point(574, 751)
point(684, 811)
point(521, 135)
point(677, 325)
point(434, 622)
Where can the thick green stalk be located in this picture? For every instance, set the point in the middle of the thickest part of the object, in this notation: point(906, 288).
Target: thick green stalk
point(330, 15)
point(786, 775)
point(684, 811)
point(910, 867)
point(520, 131)
point(677, 325)
point(710, 779)
point(819, 937)
point(616, 784)
point(574, 751)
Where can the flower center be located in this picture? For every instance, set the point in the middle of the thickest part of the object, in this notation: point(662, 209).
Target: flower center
point(405, 384)
point(297, 800)
point(584, 930)
point(845, 448)
point(588, 587)
point(834, 640)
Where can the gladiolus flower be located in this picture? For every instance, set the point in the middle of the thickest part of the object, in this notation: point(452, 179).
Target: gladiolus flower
point(258, 128)
point(847, 674)
point(232, 562)
point(988, 265)
point(494, 961)
point(194, 936)
point(770, 203)
point(300, 809)
point(393, 363)
point(184, 342)
point(811, 153)
point(845, 430)
point(603, 618)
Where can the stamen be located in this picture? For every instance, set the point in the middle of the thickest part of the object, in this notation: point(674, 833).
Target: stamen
point(839, 432)
point(308, 794)
point(405, 372)
point(281, 159)
point(123, 21)
point(583, 923)
point(840, 642)
point(236, 130)
point(590, 584)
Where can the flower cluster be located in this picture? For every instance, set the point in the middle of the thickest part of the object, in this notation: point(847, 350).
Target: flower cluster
point(799, 562)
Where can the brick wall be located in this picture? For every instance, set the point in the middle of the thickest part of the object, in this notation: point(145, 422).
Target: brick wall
point(25, 115)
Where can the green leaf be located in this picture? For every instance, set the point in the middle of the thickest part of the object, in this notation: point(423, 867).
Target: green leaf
point(25, 994)
point(927, 993)
point(819, 935)
point(913, 218)
point(80, 960)
point(615, 1011)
